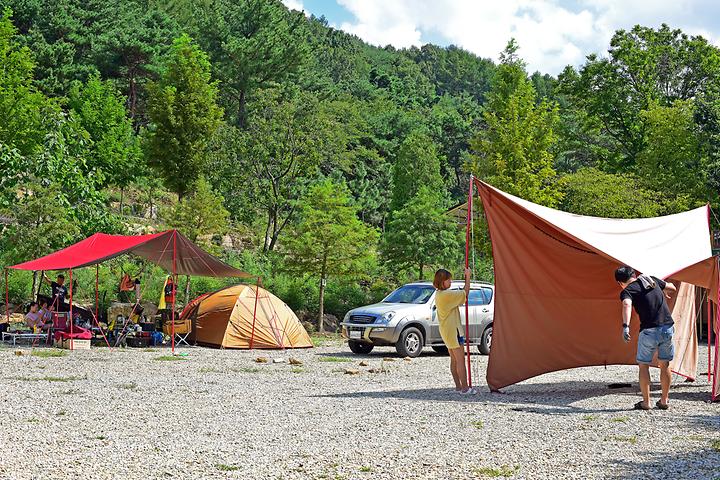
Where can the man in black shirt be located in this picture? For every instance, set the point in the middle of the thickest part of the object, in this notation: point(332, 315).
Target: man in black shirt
point(647, 295)
point(59, 291)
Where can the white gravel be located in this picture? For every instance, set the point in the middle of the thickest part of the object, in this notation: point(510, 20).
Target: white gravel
point(218, 414)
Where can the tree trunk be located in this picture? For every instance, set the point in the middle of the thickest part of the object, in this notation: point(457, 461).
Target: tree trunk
point(122, 194)
point(421, 272)
point(187, 290)
point(242, 120)
point(266, 245)
point(34, 285)
point(323, 282)
point(321, 323)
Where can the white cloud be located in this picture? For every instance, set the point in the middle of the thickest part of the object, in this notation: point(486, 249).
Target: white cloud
point(294, 5)
point(551, 33)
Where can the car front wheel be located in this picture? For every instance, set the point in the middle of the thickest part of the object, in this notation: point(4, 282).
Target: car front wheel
point(360, 347)
point(410, 343)
point(486, 341)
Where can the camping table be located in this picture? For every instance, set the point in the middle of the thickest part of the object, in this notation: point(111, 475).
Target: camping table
point(31, 336)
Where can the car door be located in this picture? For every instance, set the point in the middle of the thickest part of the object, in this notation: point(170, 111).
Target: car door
point(485, 310)
point(434, 330)
point(476, 300)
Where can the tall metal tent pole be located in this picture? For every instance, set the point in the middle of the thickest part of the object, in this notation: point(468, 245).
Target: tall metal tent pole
point(467, 265)
point(709, 323)
point(72, 343)
point(174, 292)
point(97, 294)
point(717, 343)
point(257, 294)
point(7, 297)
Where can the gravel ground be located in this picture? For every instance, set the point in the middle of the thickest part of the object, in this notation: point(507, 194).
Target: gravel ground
point(218, 414)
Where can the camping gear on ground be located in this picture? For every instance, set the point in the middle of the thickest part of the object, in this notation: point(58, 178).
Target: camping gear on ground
point(557, 303)
point(183, 328)
point(138, 342)
point(235, 317)
point(79, 339)
point(169, 249)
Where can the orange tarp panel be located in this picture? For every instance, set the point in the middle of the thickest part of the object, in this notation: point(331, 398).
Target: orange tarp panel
point(557, 304)
point(225, 319)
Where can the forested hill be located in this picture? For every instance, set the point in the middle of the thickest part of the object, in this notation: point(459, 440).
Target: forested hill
point(240, 117)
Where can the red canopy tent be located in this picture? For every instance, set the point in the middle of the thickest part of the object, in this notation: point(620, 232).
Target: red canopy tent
point(169, 249)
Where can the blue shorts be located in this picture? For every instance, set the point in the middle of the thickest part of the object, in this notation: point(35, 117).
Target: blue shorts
point(658, 338)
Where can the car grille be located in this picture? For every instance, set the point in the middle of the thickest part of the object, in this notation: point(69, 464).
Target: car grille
point(362, 319)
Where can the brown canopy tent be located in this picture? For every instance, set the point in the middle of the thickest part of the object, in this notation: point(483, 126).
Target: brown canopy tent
point(557, 305)
point(170, 249)
point(246, 317)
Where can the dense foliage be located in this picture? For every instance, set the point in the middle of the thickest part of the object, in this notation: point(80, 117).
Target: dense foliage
point(313, 160)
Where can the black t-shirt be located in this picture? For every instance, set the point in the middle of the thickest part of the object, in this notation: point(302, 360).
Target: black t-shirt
point(58, 293)
point(649, 304)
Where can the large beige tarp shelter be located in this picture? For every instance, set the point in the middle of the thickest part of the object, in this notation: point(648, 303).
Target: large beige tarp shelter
point(235, 317)
point(557, 305)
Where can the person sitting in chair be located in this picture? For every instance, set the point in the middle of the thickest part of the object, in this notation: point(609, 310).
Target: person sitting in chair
point(44, 311)
point(33, 319)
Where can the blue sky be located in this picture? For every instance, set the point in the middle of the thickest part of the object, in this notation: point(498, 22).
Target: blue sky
point(551, 33)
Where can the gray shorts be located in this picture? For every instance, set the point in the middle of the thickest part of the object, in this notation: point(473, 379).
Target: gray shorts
point(658, 338)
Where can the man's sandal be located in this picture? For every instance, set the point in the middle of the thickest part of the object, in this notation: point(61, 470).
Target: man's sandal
point(639, 406)
point(661, 406)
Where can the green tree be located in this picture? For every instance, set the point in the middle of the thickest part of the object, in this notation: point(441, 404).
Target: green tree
point(420, 235)
point(184, 116)
point(674, 161)
point(513, 149)
point(590, 191)
point(644, 65)
point(115, 149)
point(329, 239)
point(22, 107)
point(252, 43)
point(288, 139)
point(200, 213)
point(42, 223)
point(417, 164)
point(133, 36)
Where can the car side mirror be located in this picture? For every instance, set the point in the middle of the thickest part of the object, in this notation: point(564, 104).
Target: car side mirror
point(434, 307)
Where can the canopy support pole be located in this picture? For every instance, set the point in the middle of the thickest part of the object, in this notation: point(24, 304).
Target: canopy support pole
point(714, 393)
point(709, 327)
point(174, 290)
point(257, 294)
point(467, 265)
point(72, 344)
point(7, 297)
point(97, 293)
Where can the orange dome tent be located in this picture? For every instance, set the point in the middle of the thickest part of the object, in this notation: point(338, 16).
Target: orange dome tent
point(235, 317)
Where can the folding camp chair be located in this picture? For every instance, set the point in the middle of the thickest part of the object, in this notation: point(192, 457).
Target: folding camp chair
point(183, 328)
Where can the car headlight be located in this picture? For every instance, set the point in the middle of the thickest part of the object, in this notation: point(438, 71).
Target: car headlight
point(346, 318)
point(385, 317)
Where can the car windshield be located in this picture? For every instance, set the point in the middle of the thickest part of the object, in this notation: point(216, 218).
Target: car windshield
point(411, 294)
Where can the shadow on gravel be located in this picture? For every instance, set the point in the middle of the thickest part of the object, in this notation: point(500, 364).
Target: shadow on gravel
point(379, 355)
point(703, 463)
point(541, 398)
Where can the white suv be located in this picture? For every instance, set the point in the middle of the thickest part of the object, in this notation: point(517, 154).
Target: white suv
point(407, 319)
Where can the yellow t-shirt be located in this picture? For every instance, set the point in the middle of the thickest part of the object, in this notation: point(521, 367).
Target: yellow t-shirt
point(447, 303)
